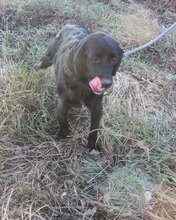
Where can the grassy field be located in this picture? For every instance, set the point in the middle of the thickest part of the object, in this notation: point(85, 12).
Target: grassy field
point(134, 177)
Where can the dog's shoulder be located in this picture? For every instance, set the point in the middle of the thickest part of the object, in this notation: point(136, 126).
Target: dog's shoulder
point(74, 27)
point(71, 33)
point(69, 36)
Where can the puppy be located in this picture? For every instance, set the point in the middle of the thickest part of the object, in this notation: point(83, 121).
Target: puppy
point(84, 64)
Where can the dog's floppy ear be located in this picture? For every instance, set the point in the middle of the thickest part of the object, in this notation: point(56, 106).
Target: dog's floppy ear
point(120, 54)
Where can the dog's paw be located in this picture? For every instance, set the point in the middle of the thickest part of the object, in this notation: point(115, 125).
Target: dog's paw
point(94, 148)
point(62, 135)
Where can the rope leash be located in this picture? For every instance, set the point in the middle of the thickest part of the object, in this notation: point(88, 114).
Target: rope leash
point(149, 43)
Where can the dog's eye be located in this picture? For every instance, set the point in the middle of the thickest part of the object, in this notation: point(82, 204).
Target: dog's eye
point(114, 59)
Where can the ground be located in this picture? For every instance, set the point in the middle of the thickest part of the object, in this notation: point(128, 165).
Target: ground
point(134, 177)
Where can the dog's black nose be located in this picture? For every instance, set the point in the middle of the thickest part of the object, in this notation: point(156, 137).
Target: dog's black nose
point(106, 83)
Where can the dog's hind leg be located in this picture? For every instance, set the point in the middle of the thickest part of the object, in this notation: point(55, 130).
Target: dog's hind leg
point(48, 58)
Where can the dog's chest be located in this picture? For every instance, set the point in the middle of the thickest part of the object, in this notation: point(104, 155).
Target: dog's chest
point(77, 95)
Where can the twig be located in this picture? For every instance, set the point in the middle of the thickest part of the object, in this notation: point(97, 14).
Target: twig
point(110, 212)
point(17, 92)
point(7, 205)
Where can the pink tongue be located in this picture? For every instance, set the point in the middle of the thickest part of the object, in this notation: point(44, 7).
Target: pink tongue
point(96, 84)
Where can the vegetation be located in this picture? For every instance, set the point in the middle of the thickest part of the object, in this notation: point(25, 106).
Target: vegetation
point(134, 177)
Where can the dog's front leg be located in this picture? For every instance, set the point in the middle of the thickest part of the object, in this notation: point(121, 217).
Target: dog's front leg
point(96, 112)
point(62, 112)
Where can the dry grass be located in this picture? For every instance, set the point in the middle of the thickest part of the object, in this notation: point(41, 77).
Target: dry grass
point(162, 203)
point(139, 28)
point(40, 178)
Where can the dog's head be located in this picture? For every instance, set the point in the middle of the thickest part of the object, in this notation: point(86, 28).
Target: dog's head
point(97, 60)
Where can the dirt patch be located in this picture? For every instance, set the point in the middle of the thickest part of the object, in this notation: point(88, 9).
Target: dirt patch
point(37, 16)
point(28, 16)
point(159, 5)
point(164, 8)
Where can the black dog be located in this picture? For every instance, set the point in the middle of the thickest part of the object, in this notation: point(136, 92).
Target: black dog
point(84, 64)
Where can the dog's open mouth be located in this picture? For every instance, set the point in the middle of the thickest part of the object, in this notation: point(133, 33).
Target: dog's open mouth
point(96, 86)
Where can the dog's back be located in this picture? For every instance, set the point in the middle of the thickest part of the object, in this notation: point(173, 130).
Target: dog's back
point(66, 38)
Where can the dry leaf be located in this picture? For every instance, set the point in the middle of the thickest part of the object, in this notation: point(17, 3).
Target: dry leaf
point(145, 147)
point(63, 195)
point(147, 196)
point(90, 212)
point(107, 197)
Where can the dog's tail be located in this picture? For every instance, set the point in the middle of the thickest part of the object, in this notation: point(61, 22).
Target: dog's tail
point(47, 59)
